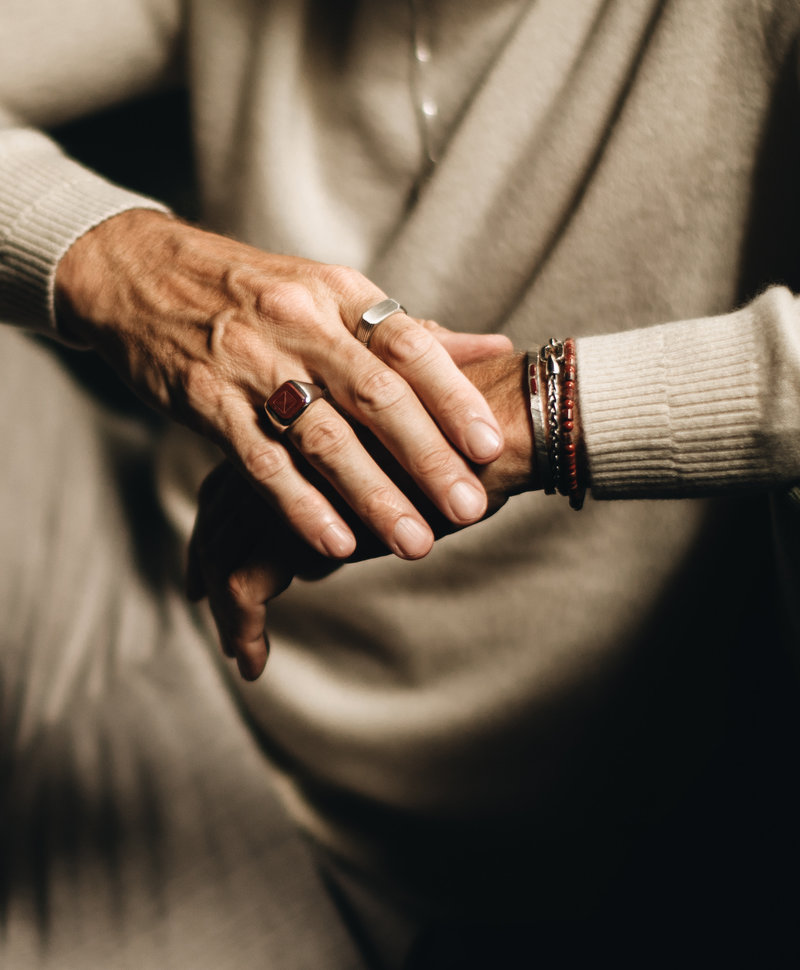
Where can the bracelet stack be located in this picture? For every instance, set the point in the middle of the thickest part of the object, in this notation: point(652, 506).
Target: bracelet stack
point(552, 386)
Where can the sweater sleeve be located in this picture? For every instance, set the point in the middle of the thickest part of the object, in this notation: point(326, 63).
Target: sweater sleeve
point(60, 60)
point(697, 406)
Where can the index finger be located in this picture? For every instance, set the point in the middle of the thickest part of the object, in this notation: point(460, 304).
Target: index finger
point(380, 399)
point(409, 348)
point(456, 405)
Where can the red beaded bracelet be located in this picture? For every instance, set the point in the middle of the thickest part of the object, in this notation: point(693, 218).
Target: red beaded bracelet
point(569, 483)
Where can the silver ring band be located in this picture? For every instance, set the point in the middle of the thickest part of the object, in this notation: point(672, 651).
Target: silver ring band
point(376, 315)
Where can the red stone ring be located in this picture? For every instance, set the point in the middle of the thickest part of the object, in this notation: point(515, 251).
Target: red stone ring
point(290, 400)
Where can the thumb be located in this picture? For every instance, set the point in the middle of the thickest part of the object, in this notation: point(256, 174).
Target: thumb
point(467, 348)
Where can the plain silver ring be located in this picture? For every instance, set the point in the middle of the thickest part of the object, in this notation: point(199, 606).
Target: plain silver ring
point(374, 316)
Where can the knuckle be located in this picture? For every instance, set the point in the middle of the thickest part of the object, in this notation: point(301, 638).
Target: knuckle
point(238, 588)
point(378, 390)
point(343, 279)
point(286, 302)
point(378, 502)
point(350, 290)
point(265, 462)
point(323, 439)
point(453, 406)
point(407, 345)
point(433, 462)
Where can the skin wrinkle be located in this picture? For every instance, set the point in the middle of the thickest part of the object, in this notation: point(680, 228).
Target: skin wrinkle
point(266, 461)
point(324, 438)
point(406, 346)
point(375, 392)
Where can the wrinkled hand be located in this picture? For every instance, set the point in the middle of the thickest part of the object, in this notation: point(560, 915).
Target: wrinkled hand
point(242, 555)
point(205, 329)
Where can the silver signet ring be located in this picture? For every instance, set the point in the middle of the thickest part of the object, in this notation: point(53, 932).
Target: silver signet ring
point(375, 315)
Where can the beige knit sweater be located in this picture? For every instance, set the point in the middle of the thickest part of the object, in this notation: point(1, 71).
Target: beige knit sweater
point(606, 169)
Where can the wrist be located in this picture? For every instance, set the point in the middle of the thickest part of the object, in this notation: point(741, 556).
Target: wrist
point(555, 420)
point(503, 383)
point(88, 274)
point(519, 466)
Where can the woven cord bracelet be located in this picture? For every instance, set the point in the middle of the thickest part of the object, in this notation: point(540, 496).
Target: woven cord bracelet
point(570, 485)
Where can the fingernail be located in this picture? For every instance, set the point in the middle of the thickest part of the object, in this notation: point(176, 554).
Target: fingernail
point(246, 671)
point(467, 502)
point(482, 441)
point(411, 539)
point(251, 667)
point(337, 541)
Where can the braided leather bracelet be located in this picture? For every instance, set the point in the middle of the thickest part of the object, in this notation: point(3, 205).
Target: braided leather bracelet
point(569, 485)
point(552, 355)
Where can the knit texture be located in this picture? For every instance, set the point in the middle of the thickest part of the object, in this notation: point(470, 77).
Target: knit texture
point(46, 203)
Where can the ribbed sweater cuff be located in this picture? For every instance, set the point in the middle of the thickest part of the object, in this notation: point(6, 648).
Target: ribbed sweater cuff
point(673, 410)
point(47, 202)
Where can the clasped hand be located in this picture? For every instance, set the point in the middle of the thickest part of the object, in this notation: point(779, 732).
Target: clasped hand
point(242, 554)
point(205, 328)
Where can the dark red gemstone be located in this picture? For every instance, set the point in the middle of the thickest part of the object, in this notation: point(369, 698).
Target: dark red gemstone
point(287, 402)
